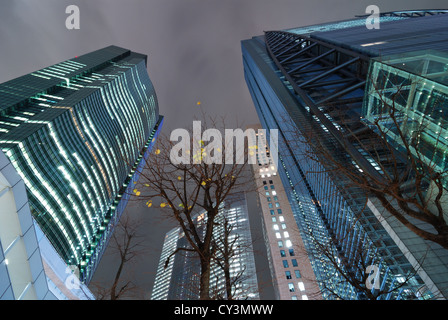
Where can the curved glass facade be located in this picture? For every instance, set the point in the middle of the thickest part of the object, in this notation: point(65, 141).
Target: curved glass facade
point(76, 141)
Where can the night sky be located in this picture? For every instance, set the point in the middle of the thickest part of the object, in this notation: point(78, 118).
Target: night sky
point(194, 55)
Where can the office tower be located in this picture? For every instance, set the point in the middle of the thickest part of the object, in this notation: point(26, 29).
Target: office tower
point(77, 133)
point(30, 269)
point(291, 272)
point(179, 279)
point(313, 79)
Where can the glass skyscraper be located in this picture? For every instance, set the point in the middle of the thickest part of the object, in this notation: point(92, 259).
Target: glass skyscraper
point(314, 79)
point(77, 133)
point(179, 278)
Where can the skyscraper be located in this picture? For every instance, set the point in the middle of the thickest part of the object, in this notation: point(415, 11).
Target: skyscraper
point(77, 133)
point(313, 79)
point(179, 278)
point(291, 272)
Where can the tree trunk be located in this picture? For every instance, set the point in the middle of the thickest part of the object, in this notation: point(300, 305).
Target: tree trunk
point(204, 291)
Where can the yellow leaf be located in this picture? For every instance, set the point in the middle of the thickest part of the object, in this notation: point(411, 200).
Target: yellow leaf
point(203, 183)
point(149, 203)
point(157, 151)
point(137, 193)
point(162, 205)
point(179, 178)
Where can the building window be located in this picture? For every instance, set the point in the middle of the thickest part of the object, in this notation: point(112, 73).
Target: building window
point(277, 235)
point(274, 192)
point(275, 226)
point(291, 252)
point(301, 286)
point(272, 187)
point(285, 264)
point(275, 198)
point(270, 205)
point(294, 263)
point(268, 198)
point(280, 244)
point(283, 225)
point(270, 182)
point(282, 253)
point(294, 298)
point(297, 273)
point(277, 204)
point(267, 193)
point(304, 297)
point(272, 212)
point(288, 243)
point(279, 211)
point(286, 234)
point(274, 219)
point(288, 274)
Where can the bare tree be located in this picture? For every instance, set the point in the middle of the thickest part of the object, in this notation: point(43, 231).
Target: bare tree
point(193, 186)
point(229, 247)
point(126, 243)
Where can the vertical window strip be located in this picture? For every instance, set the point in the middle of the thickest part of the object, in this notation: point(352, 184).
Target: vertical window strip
point(54, 195)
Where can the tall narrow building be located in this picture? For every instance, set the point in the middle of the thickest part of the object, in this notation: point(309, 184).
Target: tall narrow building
point(179, 278)
point(318, 80)
point(77, 133)
point(291, 272)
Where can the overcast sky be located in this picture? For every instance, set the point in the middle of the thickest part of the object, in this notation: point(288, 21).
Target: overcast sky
point(193, 47)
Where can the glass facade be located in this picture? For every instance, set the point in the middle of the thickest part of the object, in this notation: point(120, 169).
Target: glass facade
point(76, 133)
point(296, 97)
point(416, 85)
